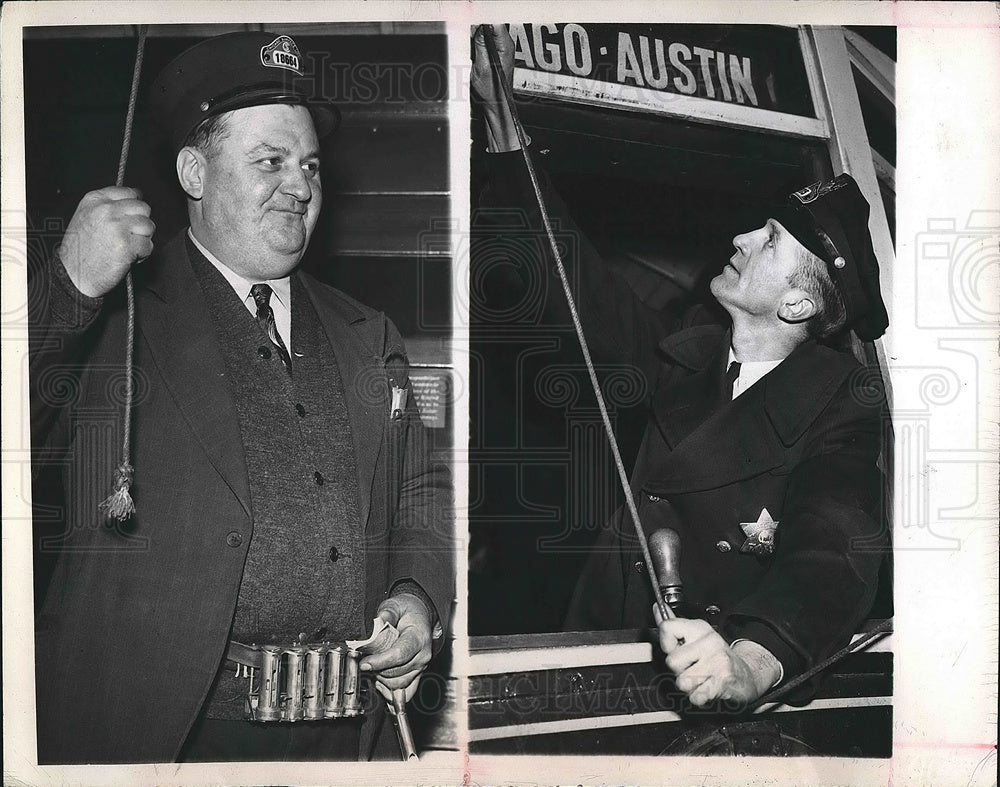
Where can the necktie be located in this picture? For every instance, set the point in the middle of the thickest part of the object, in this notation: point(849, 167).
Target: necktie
point(265, 316)
point(732, 375)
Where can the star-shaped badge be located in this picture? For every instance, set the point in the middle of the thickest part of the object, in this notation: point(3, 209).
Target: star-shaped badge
point(760, 534)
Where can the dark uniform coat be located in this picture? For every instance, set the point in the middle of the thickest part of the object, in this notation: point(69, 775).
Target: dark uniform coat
point(799, 448)
point(136, 620)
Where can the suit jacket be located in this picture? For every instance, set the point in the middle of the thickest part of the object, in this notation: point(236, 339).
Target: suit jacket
point(799, 448)
point(137, 616)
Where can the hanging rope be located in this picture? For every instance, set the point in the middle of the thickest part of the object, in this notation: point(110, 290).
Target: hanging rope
point(508, 93)
point(118, 504)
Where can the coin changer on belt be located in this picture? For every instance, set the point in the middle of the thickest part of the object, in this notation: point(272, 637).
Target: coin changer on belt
point(304, 683)
point(309, 682)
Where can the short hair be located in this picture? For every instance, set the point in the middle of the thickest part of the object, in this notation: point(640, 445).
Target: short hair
point(207, 135)
point(812, 276)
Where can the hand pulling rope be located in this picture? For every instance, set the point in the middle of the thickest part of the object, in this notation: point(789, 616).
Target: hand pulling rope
point(508, 94)
point(118, 504)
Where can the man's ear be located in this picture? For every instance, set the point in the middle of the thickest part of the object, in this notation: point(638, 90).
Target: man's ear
point(796, 306)
point(191, 172)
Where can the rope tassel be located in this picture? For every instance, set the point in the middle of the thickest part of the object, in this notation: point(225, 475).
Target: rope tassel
point(118, 505)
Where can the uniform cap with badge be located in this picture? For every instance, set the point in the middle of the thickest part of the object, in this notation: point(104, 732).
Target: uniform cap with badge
point(830, 219)
point(235, 71)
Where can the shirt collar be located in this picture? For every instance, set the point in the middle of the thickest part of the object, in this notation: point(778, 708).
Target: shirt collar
point(751, 371)
point(282, 287)
point(766, 365)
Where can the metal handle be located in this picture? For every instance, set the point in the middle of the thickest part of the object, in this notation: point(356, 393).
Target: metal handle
point(406, 745)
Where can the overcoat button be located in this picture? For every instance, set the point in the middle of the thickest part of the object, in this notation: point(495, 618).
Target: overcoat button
point(234, 539)
point(711, 609)
point(640, 566)
point(318, 476)
point(334, 554)
point(300, 410)
point(653, 498)
point(723, 546)
point(263, 352)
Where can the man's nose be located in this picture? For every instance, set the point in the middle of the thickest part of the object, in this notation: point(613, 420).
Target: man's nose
point(296, 184)
point(749, 241)
point(741, 242)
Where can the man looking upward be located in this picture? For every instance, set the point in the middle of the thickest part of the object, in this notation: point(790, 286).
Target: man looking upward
point(763, 439)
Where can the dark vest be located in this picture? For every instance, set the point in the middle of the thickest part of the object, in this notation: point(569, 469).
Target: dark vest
point(304, 575)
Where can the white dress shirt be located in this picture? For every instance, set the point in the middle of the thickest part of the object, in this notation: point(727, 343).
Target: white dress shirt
point(750, 372)
point(281, 300)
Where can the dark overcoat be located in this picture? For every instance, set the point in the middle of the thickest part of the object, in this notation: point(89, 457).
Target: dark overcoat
point(136, 620)
point(800, 448)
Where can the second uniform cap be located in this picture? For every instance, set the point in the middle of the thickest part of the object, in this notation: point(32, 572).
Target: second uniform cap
point(830, 218)
point(235, 71)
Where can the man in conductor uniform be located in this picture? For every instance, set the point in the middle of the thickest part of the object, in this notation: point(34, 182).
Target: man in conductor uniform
point(282, 486)
point(762, 442)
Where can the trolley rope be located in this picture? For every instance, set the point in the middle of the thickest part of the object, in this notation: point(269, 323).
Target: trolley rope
point(508, 94)
point(119, 504)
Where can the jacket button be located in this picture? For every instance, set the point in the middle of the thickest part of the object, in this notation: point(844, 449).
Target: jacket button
point(234, 539)
point(263, 352)
point(723, 546)
point(653, 498)
point(711, 609)
point(319, 478)
point(300, 410)
point(334, 554)
point(639, 566)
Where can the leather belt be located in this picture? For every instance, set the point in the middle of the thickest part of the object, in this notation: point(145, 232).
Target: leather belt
point(238, 654)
